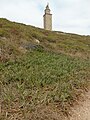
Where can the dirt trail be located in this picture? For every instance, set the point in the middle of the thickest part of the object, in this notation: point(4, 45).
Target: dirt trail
point(82, 110)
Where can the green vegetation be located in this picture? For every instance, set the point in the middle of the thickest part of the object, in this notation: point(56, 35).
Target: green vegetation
point(52, 72)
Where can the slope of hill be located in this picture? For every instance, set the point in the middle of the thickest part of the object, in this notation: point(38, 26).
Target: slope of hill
point(17, 38)
point(41, 71)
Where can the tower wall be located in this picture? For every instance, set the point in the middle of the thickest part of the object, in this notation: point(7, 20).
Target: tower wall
point(47, 21)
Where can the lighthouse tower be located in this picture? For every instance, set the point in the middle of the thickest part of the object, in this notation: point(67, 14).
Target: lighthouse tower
point(47, 18)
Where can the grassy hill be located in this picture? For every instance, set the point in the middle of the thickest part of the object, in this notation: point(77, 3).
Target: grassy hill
point(41, 71)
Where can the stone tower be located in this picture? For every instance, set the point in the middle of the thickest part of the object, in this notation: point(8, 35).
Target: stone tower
point(47, 17)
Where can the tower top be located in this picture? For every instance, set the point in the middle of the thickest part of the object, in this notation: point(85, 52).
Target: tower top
point(47, 7)
point(47, 10)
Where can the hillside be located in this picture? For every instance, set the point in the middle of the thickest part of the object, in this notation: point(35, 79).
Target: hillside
point(42, 73)
point(16, 38)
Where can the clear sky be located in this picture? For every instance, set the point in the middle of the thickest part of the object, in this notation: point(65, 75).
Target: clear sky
point(71, 16)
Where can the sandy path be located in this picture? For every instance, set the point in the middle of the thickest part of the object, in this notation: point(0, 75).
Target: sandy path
point(82, 110)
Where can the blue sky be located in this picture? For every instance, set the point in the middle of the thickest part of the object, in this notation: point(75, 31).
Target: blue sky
point(71, 16)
